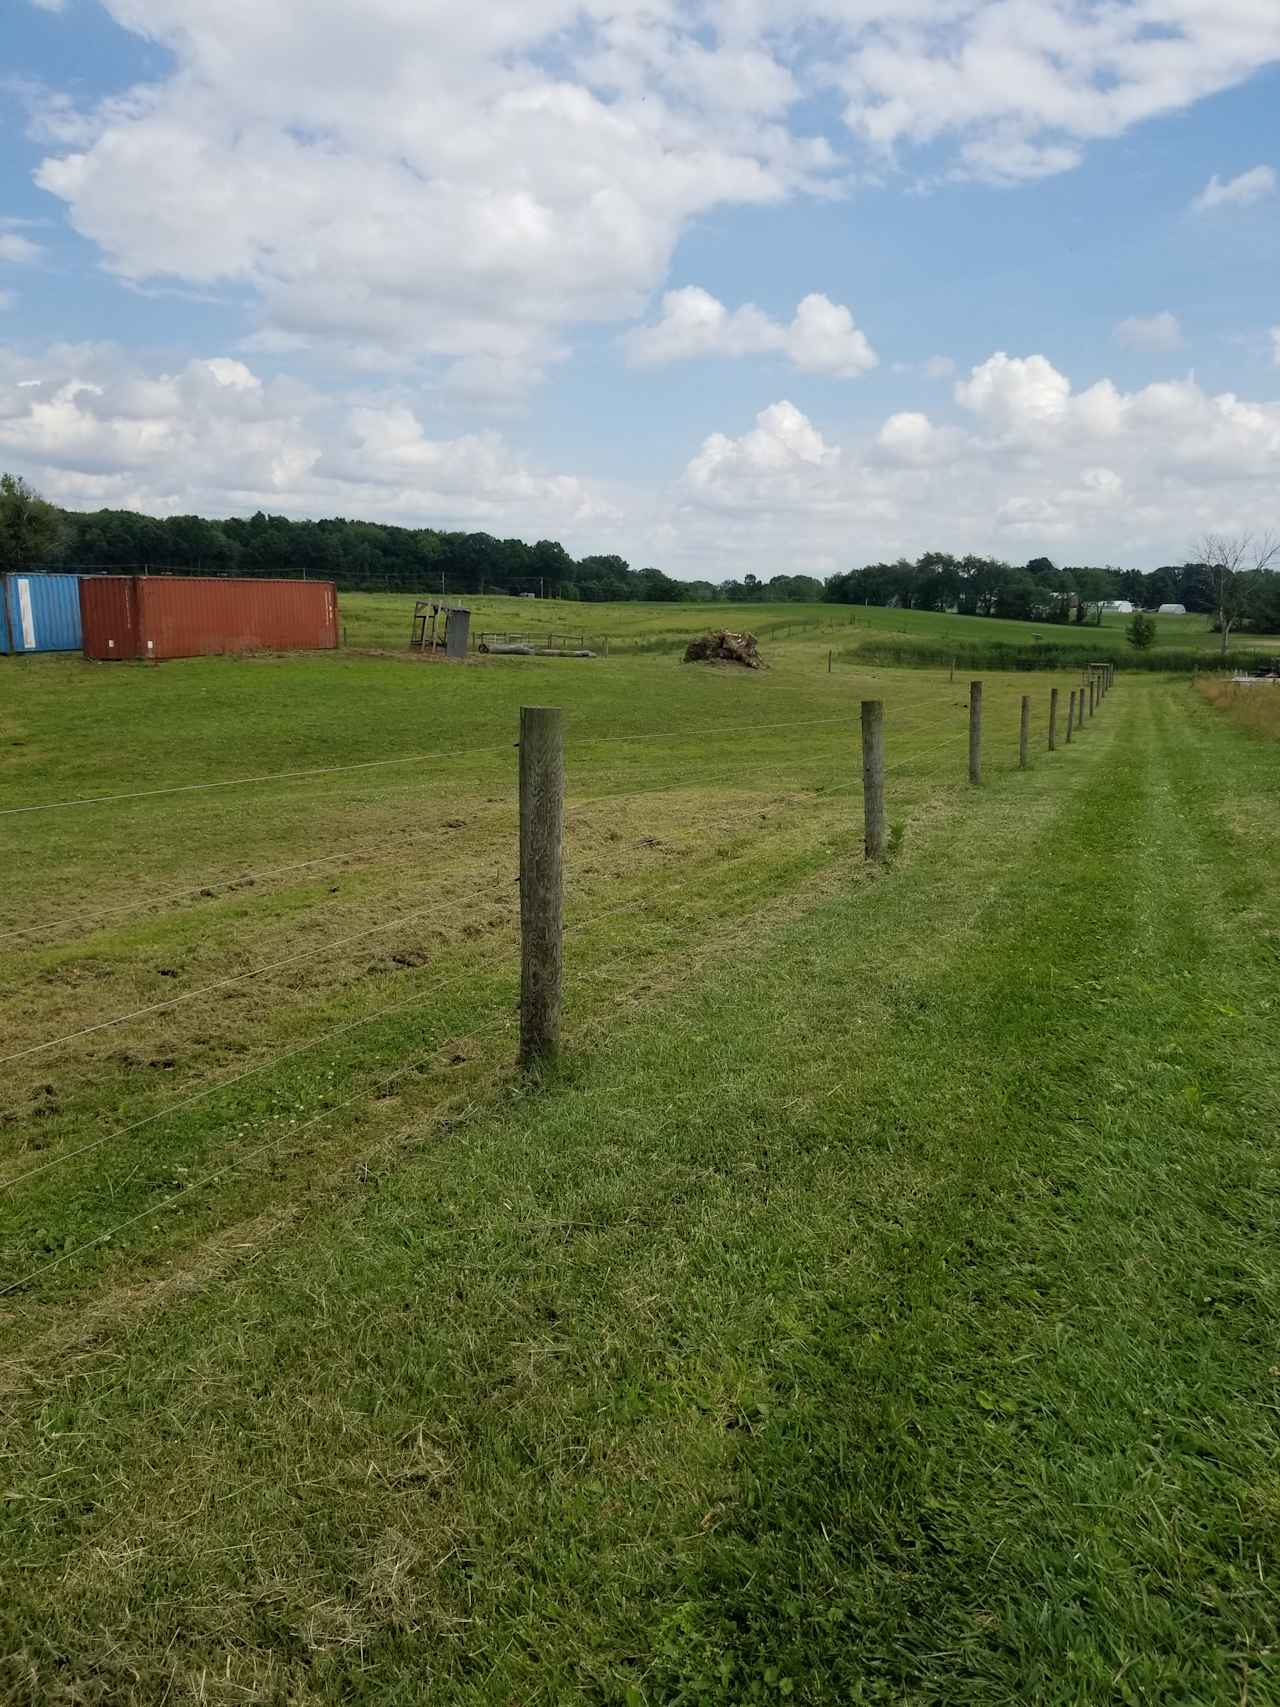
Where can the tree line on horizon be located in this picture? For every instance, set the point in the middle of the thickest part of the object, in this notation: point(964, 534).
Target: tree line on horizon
point(377, 556)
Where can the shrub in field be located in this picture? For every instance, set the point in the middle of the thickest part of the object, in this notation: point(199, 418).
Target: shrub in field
point(1141, 631)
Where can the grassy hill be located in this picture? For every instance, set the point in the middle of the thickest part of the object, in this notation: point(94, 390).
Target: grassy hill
point(385, 620)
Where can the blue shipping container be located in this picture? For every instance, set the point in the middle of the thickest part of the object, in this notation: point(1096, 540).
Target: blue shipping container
point(39, 613)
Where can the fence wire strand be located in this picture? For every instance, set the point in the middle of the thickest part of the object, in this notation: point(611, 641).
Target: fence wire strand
point(293, 1131)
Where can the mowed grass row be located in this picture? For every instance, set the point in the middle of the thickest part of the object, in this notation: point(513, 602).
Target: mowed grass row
point(886, 1313)
point(218, 999)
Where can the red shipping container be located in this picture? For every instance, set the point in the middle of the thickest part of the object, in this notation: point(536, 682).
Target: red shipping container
point(154, 616)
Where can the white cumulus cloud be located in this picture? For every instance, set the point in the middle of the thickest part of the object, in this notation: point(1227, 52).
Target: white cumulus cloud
point(1251, 186)
point(17, 250)
point(460, 185)
point(1094, 475)
point(821, 338)
point(93, 427)
point(1149, 332)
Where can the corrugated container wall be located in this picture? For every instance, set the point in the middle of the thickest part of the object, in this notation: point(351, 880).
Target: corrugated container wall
point(39, 613)
point(150, 616)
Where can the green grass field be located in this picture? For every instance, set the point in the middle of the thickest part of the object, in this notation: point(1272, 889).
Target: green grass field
point(878, 1305)
point(386, 620)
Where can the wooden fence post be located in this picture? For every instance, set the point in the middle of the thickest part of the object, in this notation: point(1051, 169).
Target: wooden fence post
point(952, 676)
point(541, 881)
point(975, 732)
point(828, 660)
point(1093, 691)
point(1053, 720)
point(874, 841)
point(1024, 732)
point(1071, 715)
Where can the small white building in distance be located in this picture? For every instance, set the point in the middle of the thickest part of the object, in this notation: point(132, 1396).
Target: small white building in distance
point(1172, 610)
point(1123, 606)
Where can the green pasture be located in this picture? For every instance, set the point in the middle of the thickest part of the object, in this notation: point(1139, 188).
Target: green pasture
point(877, 1305)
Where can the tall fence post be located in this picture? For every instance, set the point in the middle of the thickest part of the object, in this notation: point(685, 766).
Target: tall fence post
point(1093, 693)
point(975, 732)
point(1071, 715)
point(874, 841)
point(1053, 720)
point(952, 676)
point(541, 880)
point(828, 660)
point(1024, 732)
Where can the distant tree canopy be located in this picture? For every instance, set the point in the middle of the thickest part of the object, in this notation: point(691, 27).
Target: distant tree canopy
point(1039, 591)
point(357, 555)
point(375, 555)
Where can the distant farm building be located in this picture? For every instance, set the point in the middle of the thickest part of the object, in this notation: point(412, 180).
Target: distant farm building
point(1172, 610)
point(1123, 606)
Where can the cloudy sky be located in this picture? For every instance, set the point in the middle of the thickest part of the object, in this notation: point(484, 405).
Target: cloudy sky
point(723, 285)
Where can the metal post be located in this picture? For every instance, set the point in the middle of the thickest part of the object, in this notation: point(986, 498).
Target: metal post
point(1024, 732)
point(541, 881)
point(1053, 720)
point(975, 732)
point(873, 778)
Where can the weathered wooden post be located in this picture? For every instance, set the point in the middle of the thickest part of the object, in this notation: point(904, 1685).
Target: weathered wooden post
point(1071, 715)
point(541, 881)
point(1053, 720)
point(1093, 691)
point(975, 732)
point(952, 676)
point(828, 660)
point(1024, 732)
point(874, 840)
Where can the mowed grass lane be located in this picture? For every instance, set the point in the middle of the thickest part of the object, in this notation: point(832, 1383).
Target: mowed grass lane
point(887, 1315)
point(220, 1001)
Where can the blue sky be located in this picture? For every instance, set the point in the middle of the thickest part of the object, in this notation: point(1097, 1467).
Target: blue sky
point(725, 285)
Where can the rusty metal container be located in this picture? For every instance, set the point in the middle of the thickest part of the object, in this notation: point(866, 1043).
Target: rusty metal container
point(154, 616)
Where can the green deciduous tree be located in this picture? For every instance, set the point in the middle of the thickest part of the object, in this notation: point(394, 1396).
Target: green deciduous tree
point(30, 529)
point(1236, 564)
